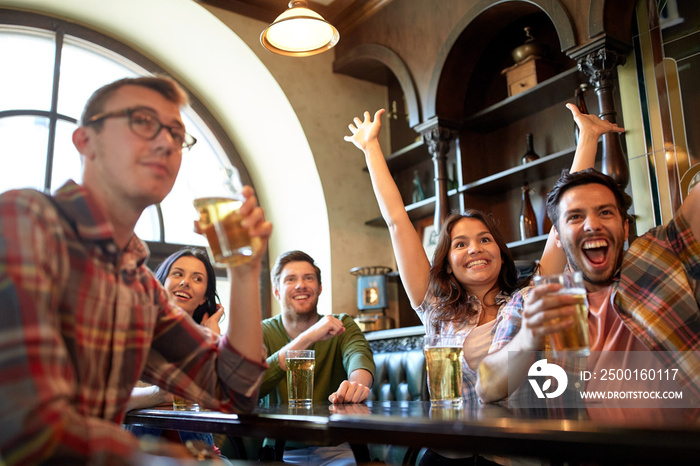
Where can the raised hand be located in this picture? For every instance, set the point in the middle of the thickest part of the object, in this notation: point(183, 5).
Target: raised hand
point(254, 220)
point(588, 122)
point(212, 322)
point(364, 132)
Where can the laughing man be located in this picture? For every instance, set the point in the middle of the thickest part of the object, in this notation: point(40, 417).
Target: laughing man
point(642, 299)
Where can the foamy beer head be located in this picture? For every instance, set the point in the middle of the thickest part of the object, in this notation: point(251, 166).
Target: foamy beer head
point(575, 337)
point(443, 358)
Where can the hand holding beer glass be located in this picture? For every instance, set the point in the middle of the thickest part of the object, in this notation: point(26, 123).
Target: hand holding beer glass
point(218, 201)
point(575, 337)
point(300, 377)
point(443, 357)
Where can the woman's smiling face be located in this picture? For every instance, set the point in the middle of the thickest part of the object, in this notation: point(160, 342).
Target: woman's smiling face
point(475, 258)
point(187, 283)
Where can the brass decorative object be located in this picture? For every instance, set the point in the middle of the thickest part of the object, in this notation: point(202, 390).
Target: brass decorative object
point(530, 68)
point(531, 48)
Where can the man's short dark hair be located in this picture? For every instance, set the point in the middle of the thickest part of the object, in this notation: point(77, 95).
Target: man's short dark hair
point(286, 258)
point(589, 176)
point(165, 86)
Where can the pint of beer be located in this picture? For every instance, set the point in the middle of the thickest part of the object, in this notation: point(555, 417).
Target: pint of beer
point(220, 222)
point(572, 339)
point(443, 357)
point(300, 377)
point(218, 202)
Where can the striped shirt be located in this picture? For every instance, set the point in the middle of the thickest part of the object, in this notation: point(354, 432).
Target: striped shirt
point(80, 322)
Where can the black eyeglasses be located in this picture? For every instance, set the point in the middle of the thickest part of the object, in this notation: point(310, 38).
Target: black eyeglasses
point(144, 122)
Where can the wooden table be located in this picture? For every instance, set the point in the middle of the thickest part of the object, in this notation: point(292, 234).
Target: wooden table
point(642, 435)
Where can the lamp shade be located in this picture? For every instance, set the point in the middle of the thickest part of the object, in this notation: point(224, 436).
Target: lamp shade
point(299, 32)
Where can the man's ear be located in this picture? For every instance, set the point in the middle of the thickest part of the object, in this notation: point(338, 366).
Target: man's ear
point(556, 237)
point(276, 292)
point(83, 142)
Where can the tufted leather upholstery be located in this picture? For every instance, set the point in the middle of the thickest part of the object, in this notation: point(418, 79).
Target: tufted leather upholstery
point(400, 376)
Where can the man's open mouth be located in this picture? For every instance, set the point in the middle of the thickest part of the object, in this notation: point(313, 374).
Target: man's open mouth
point(596, 251)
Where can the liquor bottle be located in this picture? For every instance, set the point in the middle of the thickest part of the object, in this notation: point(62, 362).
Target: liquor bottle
point(530, 155)
point(528, 220)
point(580, 96)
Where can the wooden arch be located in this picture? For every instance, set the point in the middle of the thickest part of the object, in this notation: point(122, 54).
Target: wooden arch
point(446, 84)
point(381, 58)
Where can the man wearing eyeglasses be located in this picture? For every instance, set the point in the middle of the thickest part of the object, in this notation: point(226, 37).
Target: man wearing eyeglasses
point(82, 318)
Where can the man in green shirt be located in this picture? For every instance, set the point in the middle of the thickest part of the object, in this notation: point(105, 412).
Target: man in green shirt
point(344, 369)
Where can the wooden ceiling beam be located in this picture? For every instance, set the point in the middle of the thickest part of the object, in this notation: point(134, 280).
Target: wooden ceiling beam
point(343, 14)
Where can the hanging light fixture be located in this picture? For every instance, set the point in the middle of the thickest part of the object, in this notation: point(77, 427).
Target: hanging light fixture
point(299, 32)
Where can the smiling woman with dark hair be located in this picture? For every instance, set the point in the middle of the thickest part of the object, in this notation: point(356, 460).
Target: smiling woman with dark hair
point(171, 274)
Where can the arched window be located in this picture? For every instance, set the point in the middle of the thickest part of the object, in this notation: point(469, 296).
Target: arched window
point(41, 102)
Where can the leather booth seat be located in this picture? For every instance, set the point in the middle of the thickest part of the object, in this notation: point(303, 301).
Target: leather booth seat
point(400, 376)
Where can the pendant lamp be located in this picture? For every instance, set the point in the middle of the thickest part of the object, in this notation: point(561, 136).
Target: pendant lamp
point(299, 32)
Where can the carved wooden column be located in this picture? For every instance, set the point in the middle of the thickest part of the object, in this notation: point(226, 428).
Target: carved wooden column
point(601, 68)
point(438, 139)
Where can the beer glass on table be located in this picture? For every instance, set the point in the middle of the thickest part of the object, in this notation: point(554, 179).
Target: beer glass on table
point(572, 339)
point(300, 377)
point(183, 404)
point(443, 358)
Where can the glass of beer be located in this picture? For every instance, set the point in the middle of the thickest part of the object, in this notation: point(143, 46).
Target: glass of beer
point(183, 404)
point(572, 339)
point(218, 199)
point(300, 377)
point(443, 357)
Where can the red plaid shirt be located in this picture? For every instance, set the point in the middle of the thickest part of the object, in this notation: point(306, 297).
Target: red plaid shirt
point(80, 323)
point(658, 295)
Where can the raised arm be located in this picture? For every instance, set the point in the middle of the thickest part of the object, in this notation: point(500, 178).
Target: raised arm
point(412, 262)
point(244, 331)
point(591, 128)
